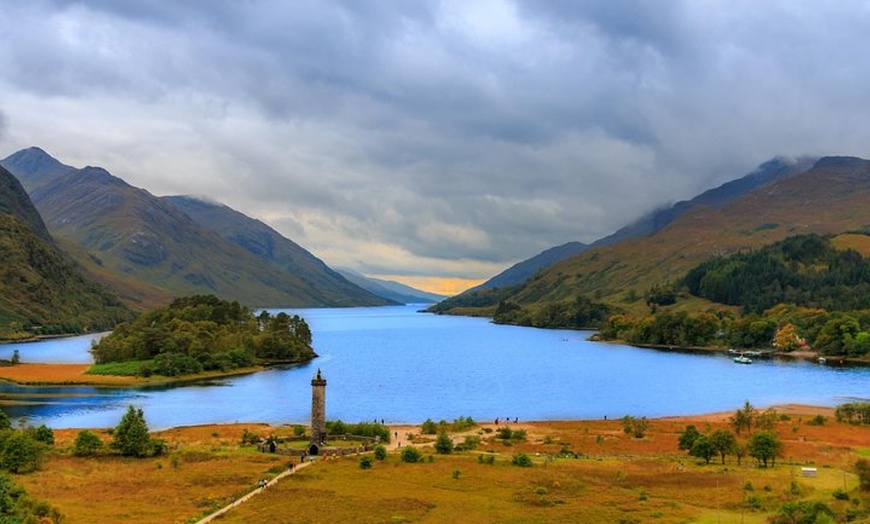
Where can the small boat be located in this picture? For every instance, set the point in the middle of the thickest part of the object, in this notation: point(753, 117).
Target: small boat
point(742, 359)
point(822, 360)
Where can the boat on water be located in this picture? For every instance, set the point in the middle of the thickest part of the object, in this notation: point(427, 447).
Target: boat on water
point(822, 360)
point(743, 359)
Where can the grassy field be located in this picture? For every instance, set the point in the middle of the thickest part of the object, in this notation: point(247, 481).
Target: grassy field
point(614, 478)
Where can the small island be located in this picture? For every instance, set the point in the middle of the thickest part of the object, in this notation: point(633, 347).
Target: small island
point(201, 335)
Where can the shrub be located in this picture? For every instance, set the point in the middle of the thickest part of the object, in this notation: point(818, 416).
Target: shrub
point(455, 474)
point(365, 462)
point(862, 468)
point(410, 454)
point(44, 434)
point(86, 444)
point(444, 444)
point(818, 420)
point(298, 430)
point(489, 460)
point(470, 443)
point(22, 453)
point(429, 427)
point(522, 460)
point(380, 452)
point(249, 437)
point(635, 426)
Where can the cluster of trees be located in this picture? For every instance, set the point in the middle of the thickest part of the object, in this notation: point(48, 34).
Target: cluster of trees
point(429, 427)
point(764, 445)
point(361, 429)
point(805, 270)
point(580, 313)
point(22, 451)
point(853, 413)
point(785, 327)
point(203, 332)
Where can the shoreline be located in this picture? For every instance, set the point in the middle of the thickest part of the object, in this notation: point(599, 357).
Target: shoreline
point(38, 374)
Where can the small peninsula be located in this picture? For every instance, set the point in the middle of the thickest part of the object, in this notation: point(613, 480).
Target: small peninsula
point(201, 334)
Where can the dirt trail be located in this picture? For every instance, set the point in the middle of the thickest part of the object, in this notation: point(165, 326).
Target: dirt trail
point(257, 491)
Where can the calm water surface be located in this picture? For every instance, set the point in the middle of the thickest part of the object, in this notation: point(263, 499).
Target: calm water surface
point(402, 366)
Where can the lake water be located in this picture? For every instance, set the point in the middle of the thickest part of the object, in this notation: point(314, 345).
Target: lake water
point(395, 364)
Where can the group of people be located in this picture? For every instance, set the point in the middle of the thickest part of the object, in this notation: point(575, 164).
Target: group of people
point(262, 483)
point(507, 420)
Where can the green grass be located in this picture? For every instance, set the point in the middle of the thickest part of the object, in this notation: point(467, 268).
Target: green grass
point(127, 369)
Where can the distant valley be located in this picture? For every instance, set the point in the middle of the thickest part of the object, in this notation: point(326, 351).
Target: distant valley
point(146, 249)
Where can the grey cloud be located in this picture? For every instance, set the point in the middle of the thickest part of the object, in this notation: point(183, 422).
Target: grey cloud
point(447, 133)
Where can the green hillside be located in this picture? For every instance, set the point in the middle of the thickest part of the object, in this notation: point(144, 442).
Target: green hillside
point(830, 198)
point(41, 291)
point(263, 242)
point(129, 232)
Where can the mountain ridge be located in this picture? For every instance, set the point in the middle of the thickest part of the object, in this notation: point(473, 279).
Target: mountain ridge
point(622, 273)
point(390, 289)
point(146, 247)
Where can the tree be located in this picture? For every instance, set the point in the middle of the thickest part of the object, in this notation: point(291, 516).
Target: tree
point(5, 423)
point(743, 418)
point(86, 444)
point(723, 442)
point(443, 444)
point(765, 446)
point(703, 448)
point(687, 438)
point(380, 452)
point(22, 453)
point(131, 437)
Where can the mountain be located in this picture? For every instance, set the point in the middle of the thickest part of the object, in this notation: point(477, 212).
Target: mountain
point(829, 197)
point(391, 290)
point(149, 250)
point(41, 290)
point(772, 170)
point(522, 271)
point(34, 167)
point(265, 243)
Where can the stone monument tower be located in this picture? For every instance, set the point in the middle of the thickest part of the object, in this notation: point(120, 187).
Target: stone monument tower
point(318, 412)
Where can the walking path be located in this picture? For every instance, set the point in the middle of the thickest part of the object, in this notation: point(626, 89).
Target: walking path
point(400, 431)
point(257, 491)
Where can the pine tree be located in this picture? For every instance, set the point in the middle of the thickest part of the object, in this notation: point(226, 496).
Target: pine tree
point(131, 437)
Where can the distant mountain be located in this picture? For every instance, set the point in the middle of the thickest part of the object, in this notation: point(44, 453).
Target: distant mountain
point(522, 271)
point(829, 198)
point(34, 167)
point(781, 199)
point(770, 171)
point(776, 169)
point(146, 247)
point(265, 243)
point(391, 290)
point(41, 291)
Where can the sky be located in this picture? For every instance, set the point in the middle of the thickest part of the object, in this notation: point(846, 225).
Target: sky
point(434, 142)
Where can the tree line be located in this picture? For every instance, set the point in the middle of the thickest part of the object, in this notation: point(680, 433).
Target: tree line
point(202, 333)
point(805, 270)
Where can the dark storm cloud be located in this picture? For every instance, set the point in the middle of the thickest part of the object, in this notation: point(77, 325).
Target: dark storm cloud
point(444, 137)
